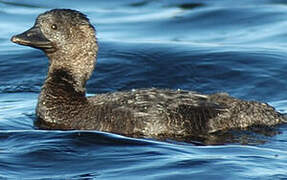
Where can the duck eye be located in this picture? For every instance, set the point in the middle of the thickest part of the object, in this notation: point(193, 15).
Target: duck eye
point(54, 26)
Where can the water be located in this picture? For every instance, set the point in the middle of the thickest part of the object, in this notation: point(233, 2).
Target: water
point(208, 46)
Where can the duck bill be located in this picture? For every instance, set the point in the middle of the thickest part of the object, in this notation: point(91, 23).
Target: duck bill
point(33, 38)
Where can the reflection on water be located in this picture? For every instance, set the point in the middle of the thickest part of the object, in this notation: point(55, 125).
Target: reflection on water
point(206, 46)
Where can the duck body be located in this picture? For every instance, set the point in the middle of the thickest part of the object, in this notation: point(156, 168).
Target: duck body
point(68, 39)
point(151, 113)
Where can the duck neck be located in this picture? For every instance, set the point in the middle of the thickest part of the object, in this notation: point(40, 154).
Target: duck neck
point(72, 69)
point(61, 83)
point(60, 95)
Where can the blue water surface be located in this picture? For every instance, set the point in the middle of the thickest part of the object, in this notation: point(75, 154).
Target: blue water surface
point(238, 47)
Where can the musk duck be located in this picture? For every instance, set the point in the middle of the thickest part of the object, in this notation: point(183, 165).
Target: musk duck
point(69, 40)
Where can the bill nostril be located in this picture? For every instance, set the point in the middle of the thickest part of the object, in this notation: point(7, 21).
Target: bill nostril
point(30, 34)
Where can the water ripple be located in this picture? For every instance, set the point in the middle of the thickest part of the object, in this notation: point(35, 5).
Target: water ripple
point(206, 46)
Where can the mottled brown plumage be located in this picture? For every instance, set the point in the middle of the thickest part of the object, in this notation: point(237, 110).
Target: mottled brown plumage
point(68, 39)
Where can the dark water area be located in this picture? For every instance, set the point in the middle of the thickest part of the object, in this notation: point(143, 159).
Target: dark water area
point(238, 47)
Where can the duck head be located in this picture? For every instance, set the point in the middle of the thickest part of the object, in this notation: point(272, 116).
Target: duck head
point(68, 39)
